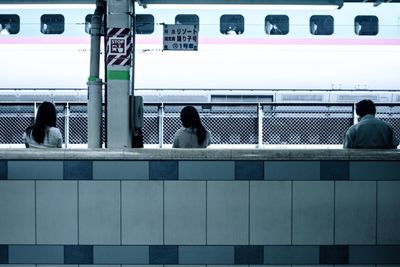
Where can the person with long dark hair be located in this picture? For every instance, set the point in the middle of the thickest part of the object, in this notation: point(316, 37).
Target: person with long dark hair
point(192, 134)
point(43, 133)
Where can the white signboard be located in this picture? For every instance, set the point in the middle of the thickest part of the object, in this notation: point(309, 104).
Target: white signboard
point(180, 37)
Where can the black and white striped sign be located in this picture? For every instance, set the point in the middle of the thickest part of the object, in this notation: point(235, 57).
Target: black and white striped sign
point(119, 46)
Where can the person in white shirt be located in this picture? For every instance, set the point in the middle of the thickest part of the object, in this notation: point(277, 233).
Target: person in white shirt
point(192, 134)
point(43, 133)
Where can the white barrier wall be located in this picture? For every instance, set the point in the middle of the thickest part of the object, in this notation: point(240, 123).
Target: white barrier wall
point(199, 207)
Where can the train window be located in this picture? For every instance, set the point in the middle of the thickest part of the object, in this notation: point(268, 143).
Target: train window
point(52, 24)
point(366, 25)
point(321, 25)
point(277, 24)
point(144, 24)
point(231, 24)
point(188, 20)
point(9, 24)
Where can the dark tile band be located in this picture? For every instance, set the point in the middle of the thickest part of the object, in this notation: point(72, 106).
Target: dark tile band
point(200, 255)
point(78, 254)
point(288, 170)
point(3, 254)
point(3, 170)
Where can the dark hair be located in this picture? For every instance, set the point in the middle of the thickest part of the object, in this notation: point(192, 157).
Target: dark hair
point(365, 107)
point(46, 117)
point(190, 119)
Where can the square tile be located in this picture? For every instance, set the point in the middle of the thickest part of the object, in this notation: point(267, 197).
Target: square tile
point(35, 170)
point(3, 254)
point(121, 170)
point(206, 255)
point(313, 211)
point(292, 170)
point(227, 212)
point(78, 170)
point(142, 212)
point(374, 254)
point(374, 170)
point(99, 212)
point(185, 212)
point(17, 212)
point(291, 255)
point(249, 170)
point(206, 170)
point(3, 170)
point(334, 170)
point(163, 170)
point(355, 212)
point(388, 212)
point(120, 254)
point(36, 254)
point(270, 212)
point(78, 254)
point(163, 254)
point(334, 254)
point(249, 254)
point(57, 212)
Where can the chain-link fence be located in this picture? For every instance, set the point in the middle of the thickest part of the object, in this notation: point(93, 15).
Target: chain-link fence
point(254, 124)
point(311, 124)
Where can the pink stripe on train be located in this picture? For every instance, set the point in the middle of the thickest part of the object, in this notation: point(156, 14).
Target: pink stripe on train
point(143, 40)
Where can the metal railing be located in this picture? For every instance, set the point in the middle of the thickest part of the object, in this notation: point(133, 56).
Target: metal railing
point(236, 124)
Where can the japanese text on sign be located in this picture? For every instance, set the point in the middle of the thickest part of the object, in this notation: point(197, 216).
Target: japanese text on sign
point(180, 37)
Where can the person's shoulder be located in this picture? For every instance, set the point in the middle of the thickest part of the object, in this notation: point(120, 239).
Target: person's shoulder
point(54, 131)
point(181, 130)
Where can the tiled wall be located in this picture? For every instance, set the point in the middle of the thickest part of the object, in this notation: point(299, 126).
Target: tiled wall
point(199, 212)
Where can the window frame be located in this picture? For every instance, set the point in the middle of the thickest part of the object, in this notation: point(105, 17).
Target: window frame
point(7, 19)
point(241, 26)
point(52, 15)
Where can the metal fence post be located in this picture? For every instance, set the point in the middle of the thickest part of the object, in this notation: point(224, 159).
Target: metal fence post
point(260, 125)
point(66, 124)
point(354, 114)
point(161, 125)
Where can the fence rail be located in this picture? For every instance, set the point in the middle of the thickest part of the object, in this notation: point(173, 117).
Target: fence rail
point(252, 124)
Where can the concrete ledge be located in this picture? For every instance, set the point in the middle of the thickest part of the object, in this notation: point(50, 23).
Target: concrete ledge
point(200, 154)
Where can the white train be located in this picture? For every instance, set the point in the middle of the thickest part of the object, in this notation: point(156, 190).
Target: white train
point(245, 52)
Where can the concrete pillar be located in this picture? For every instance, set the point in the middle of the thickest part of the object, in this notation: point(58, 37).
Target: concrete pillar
point(119, 46)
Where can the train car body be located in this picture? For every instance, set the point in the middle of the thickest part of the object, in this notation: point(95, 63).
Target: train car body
point(271, 53)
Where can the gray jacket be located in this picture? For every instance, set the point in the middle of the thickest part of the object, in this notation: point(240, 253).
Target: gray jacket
point(370, 132)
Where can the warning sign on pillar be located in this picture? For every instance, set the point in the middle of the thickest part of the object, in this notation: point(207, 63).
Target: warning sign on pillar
point(119, 47)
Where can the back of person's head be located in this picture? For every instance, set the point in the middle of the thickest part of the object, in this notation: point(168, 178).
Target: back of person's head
point(46, 117)
point(191, 119)
point(365, 107)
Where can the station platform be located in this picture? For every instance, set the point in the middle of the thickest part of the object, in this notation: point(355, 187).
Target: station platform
point(198, 207)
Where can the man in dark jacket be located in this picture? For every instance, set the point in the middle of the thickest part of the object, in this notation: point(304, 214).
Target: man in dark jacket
point(369, 132)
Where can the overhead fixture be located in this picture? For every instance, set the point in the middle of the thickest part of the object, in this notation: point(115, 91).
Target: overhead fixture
point(241, 7)
point(47, 6)
point(240, 4)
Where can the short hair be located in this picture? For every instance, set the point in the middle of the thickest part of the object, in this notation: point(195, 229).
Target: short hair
point(365, 107)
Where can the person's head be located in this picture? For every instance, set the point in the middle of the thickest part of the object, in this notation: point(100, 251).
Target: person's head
point(190, 118)
point(46, 115)
point(365, 107)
